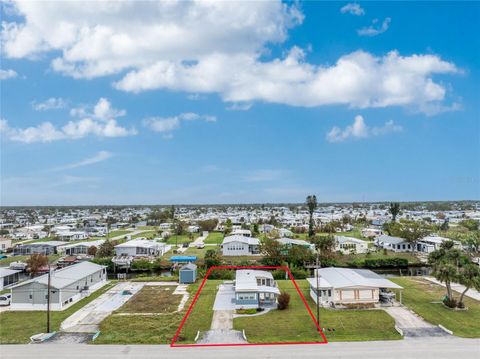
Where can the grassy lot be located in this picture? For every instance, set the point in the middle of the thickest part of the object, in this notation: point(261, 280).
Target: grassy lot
point(17, 327)
point(295, 324)
point(153, 299)
point(117, 233)
point(200, 317)
point(161, 329)
point(148, 228)
point(214, 238)
point(235, 260)
point(182, 238)
point(425, 297)
point(6, 261)
point(347, 258)
point(146, 234)
point(356, 233)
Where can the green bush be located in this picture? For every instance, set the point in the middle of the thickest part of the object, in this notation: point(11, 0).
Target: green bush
point(222, 274)
point(386, 262)
point(141, 264)
point(106, 261)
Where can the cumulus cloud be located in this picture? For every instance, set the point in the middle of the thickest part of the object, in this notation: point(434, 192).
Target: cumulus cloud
point(203, 47)
point(99, 157)
point(353, 9)
point(103, 123)
point(7, 74)
point(168, 124)
point(52, 103)
point(376, 28)
point(360, 130)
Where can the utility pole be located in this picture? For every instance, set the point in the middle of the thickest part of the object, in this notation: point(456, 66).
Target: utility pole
point(317, 275)
point(48, 300)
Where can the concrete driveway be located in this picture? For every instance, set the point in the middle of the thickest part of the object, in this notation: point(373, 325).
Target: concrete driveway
point(225, 298)
point(412, 325)
point(88, 318)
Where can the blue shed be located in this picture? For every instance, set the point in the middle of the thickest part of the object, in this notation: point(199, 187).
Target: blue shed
point(187, 273)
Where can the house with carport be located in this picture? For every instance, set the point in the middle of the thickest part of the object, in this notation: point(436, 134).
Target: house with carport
point(348, 287)
point(240, 246)
point(255, 289)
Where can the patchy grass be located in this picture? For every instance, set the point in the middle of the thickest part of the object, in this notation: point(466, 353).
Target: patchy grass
point(17, 327)
point(214, 238)
point(295, 324)
point(153, 299)
point(158, 329)
point(146, 234)
point(182, 238)
point(117, 233)
point(154, 279)
point(234, 260)
point(424, 298)
point(6, 261)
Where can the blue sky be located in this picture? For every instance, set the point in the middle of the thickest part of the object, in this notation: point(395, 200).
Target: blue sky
point(155, 103)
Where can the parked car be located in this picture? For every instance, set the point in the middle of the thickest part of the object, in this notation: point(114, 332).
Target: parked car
point(185, 245)
point(5, 299)
point(200, 245)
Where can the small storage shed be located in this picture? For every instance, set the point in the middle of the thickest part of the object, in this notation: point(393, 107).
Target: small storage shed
point(188, 273)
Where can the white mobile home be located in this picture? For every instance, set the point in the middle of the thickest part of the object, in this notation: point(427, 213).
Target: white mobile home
point(395, 244)
point(348, 245)
point(140, 248)
point(67, 286)
point(240, 246)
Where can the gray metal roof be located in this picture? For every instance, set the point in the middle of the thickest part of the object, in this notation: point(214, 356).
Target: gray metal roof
point(66, 276)
point(188, 266)
point(346, 277)
point(241, 239)
point(389, 239)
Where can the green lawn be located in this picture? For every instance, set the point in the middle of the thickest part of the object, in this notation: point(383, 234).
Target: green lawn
point(117, 233)
point(6, 261)
point(356, 233)
point(161, 329)
point(295, 323)
point(425, 297)
point(214, 238)
point(182, 238)
point(146, 234)
point(17, 327)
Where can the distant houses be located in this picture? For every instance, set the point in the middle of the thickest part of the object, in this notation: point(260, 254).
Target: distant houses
point(68, 285)
point(237, 245)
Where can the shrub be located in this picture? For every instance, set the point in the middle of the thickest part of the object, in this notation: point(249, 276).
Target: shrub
point(451, 303)
point(141, 264)
point(104, 262)
point(221, 274)
point(278, 274)
point(247, 311)
point(283, 300)
point(385, 262)
point(299, 273)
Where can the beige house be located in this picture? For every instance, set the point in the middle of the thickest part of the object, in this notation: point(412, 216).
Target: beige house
point(346, 286)
point(5, 243)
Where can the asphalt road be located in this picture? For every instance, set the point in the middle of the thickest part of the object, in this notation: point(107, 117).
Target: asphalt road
point(431, 348)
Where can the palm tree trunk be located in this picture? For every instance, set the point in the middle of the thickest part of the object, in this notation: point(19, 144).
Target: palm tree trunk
point(460, 300)
point(449, 290)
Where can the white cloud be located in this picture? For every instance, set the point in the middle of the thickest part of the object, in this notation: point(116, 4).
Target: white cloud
point(353, 9)
point(7, 74)
point(102, 124)
point(168, 124)
point(376, 28)
point(203, 47)
point(51, 104)
point(359, 130)
point(240, 106)
point(99, 157)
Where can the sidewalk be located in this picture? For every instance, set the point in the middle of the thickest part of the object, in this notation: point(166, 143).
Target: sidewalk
point(472, 293)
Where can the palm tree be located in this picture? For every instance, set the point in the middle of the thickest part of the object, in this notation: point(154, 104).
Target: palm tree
point(311, 203)
point(469, 276)
point(394, 210)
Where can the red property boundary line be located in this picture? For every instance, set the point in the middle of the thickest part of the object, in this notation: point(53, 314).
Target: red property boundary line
point(287, 270)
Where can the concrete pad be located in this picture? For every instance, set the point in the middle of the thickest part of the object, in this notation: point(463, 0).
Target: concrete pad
point(222, 320)
point(225, 297)
point(88, 318)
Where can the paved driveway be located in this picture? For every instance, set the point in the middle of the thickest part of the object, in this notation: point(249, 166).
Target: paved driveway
point(412, 325)
point(225, 299)
point(87, 319)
